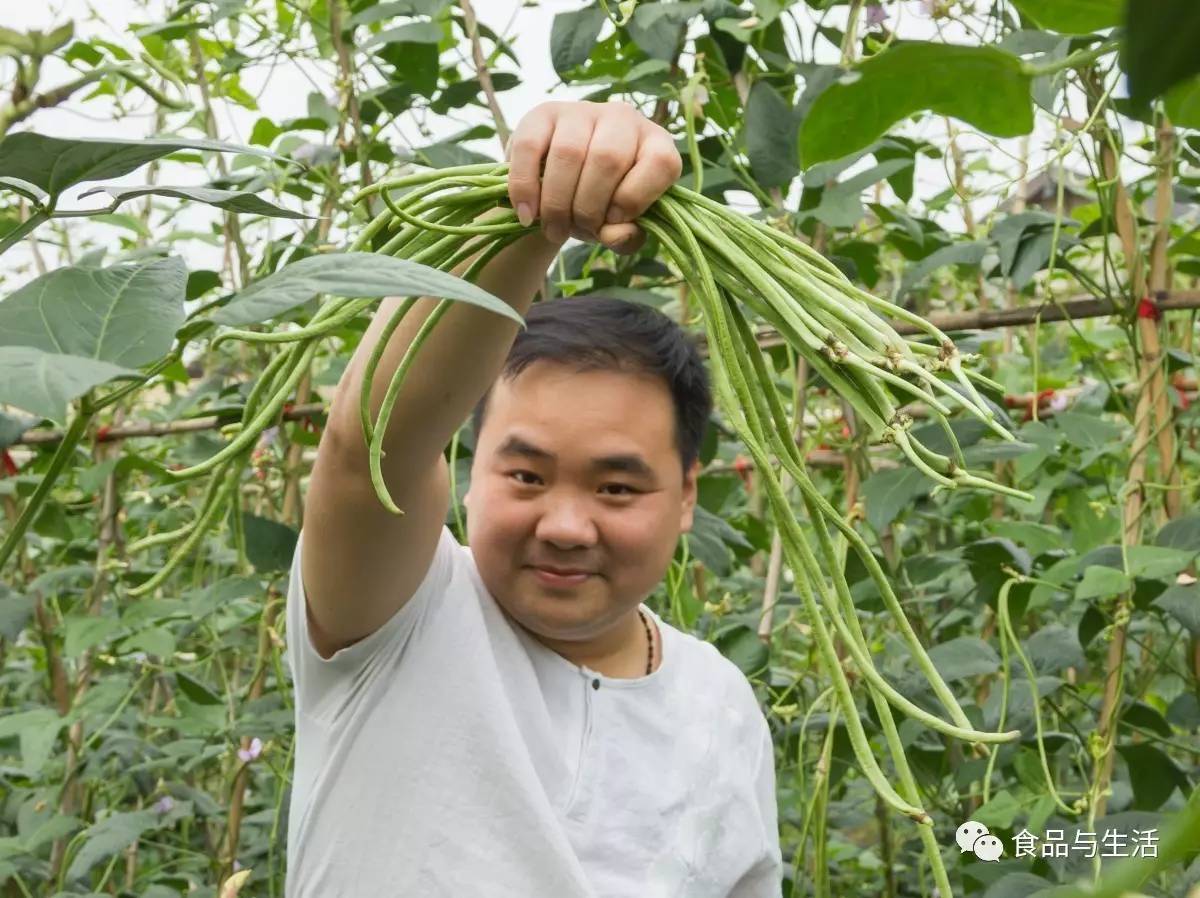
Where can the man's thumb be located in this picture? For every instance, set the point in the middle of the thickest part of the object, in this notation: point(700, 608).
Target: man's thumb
point(625, 238)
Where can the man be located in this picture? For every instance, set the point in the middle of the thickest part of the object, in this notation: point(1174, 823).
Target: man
point(508, 718)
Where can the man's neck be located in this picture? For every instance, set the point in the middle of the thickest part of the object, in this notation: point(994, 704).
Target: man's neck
point(620, 652)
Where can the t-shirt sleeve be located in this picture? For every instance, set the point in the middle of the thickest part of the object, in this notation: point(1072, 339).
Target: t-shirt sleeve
point(323, 684)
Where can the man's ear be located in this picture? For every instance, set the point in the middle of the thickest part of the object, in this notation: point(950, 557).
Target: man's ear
point(689, 497)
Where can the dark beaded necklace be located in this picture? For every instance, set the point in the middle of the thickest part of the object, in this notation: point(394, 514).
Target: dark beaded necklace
point(649, 641)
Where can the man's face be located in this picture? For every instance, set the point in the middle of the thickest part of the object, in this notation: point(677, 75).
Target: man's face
point(542, 495)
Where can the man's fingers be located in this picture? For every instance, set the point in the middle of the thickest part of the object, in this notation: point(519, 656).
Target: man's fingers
point(564, 161)
point(526, 148)
point(657, 168)
point(610, 156)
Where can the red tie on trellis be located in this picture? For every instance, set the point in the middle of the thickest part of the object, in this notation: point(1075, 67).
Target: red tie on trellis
point(1148, 308)
point(307, 423)
point(8, 467)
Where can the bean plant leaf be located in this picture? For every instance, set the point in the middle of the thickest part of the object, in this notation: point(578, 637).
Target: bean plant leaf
point(841, 204)
point(1072, 16)
point(771, 136)
point(393, 8)
point(1160, 46)
point(984, 86)
point(126, 314)
point(110, 835)
point(971, 253)
point(887, 493)
point(38, 730)
point(964, 657)
point(741, 645)
point(1182, 533)
point(351, 275)
point(1153, 775)
point(657, 28)
point(711, 538)
point(269, 544)
point(1087, 431)
point(1053, 648)
point(572, 36)
point(1182, 602)
point(1156, 562)
point(44, 382)
point(230, 200)
point(1183, 104)
point(411, 33)
point(1100, 581)
point(998, 812)
point(15, 612)
point(55, 163)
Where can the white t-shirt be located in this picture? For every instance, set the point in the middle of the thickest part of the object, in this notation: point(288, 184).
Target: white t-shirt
point(450, 754)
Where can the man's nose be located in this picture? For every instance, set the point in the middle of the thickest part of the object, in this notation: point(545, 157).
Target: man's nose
point(567, 524)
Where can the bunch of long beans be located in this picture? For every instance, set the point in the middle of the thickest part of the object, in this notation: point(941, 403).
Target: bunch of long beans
point(733, 264)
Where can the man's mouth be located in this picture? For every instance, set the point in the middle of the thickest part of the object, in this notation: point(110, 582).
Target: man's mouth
point(560, 577)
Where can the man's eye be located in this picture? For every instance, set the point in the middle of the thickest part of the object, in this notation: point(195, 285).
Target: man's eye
point(629, 491)
point(518, 474)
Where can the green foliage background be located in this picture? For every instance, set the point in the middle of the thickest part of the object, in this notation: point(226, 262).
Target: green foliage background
point(981, 157)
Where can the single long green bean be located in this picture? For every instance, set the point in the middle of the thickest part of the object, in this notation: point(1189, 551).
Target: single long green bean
point(348, 310)
point(261, 421)
point(375, 452)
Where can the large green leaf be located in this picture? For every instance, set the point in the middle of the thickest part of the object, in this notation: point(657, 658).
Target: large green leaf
point(1182, 533)
point(887, 493)
point(1182, 602)
point(110, 835)
point(711, 539)
point(741, 645)
point(771, 136)
point(983, 86)
point(1073, 16)
point(1153, 775)
point(1100, 581)
point(44, 382)
point(657, 28)
point(354, 275)
point(269, 544)
point(1183, 103)
point(410, 33)
point(397, 8)
point(841, 204)
point(1160, 46)
point(231, 200)
point(964, 657)
point(38, 730)
point(126, 314)
point(965, 253)
point(999, 812)
point(572, 37)
point(55, 163)
point(1087, 431)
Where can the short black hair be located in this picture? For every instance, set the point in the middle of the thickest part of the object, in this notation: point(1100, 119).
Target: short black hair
point(597, 332)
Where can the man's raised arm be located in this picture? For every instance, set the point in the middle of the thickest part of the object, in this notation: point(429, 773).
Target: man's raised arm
point(360, 563)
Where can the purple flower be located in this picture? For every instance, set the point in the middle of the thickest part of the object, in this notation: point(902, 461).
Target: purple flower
point(164, 804)
point(249, 754)
point(875, 15)
point(236, 865)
